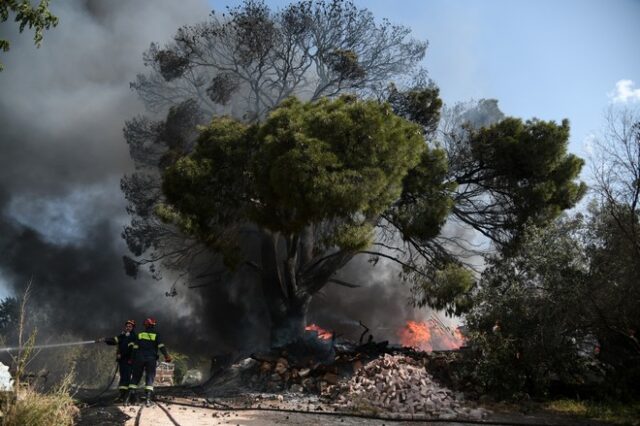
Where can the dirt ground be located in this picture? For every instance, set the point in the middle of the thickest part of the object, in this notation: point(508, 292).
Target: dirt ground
point(181, 411)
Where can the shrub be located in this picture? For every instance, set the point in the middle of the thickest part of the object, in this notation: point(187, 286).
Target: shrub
point(32, 408)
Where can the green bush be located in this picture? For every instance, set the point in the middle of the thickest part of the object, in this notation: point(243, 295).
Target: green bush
point(181, 365)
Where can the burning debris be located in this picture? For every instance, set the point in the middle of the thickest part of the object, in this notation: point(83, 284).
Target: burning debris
point(416, 335)
point(322, 333)
point(372, 377)
point(430, 335)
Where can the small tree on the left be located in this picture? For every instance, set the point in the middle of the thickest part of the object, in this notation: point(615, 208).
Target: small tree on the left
point(37, 17)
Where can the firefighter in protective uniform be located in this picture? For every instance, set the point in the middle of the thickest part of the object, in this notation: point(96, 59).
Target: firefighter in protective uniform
point(145, 355)
point(123, 355)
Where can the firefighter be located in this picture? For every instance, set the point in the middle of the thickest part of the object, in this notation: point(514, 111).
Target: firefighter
point(145, 355)
point(123, 356)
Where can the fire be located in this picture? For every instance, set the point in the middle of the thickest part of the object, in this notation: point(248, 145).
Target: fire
point(322, 333)
point(416, 335)
point(426, 336)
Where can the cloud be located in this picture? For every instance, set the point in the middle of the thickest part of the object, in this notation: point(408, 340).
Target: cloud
point(625, 92)
point(588, 143)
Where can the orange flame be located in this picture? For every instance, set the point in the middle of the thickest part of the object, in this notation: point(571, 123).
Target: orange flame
point(416, 335)
point(426, 336)
point(322, 333)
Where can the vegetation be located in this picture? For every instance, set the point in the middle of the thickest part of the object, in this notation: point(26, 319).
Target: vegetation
point(39, 18)
point(180, 366)
point(28, 405)
point(292, 191)
point(34, 408)
point(559, 313)
point(612, 412)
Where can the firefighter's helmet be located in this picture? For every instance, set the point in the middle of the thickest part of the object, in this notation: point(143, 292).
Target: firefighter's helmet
point(150, 322)
point(130, 322)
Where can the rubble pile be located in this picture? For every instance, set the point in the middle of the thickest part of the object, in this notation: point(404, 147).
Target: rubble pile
point(401, 384)
point(280, 374)
point(370, 378)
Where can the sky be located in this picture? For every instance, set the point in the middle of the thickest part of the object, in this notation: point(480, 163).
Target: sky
point(546, 59)
point(63, 107)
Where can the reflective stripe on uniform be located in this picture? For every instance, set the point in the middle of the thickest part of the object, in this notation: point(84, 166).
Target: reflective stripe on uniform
point(136, 347)
point(161, 345)
point(116, 339)
point(147, 336)
point(123, 387)
point(148, 388)
point(132, 386)
point(131, 344)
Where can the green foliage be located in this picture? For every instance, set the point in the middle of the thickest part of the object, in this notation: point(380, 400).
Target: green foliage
point(566, 290)
point(525, 322)
point(9, 316)
point(181, 365)
point(345, 64)
point(39, 18)
point(426, 200)
point(307, 186)
point(529, 164)
point(341, 162)
point(448, 289)
point(613, 412)
point(613, 295)
point(420, 104)
point(510, 172)
point(566, 299)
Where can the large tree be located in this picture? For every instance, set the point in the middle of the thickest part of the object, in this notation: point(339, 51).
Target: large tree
point(569, 291)
point(614, 248)
point(295, 192)
point(311, 183)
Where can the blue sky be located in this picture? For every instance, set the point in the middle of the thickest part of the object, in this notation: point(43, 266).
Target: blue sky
point(545, 59)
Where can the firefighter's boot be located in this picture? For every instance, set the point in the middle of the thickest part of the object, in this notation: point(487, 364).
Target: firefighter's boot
point(122, 396)
point(148, 395)
point(131, 397)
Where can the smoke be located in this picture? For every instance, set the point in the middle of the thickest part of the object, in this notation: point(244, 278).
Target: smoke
point(383, 303)
point(62, 111)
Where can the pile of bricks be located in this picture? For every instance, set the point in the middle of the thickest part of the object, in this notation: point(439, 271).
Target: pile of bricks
point(401, 384)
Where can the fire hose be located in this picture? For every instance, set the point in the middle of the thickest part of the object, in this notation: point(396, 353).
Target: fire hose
point(225, 407)
point(113, 378)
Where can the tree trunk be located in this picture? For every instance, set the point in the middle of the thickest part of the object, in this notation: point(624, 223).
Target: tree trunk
point(288, 325)
point(290, 278)
point(287, 309)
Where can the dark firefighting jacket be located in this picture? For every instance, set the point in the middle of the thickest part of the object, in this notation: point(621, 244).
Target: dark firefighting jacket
point(146, 345)
point(123, 341)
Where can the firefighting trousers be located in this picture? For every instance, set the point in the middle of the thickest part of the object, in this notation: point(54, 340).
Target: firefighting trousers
point(146, 366)
point(125, 374)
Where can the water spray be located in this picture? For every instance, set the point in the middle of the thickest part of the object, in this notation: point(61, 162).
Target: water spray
point(52, 345)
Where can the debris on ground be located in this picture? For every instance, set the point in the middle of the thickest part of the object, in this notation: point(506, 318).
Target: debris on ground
point(400, 384)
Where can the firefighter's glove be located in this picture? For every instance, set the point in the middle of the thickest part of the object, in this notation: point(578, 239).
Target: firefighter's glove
point(168, 358)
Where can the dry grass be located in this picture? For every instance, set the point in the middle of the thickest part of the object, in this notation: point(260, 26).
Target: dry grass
point(32, 408)
point(613, 412)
